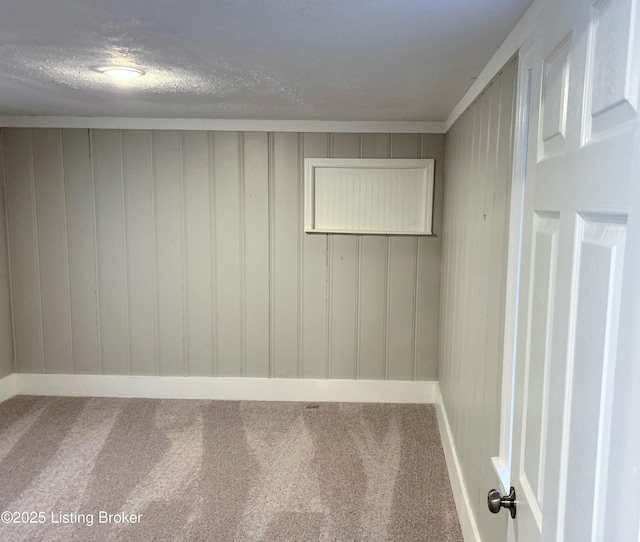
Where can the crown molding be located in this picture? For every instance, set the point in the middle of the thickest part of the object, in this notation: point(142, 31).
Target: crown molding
point(240, 125)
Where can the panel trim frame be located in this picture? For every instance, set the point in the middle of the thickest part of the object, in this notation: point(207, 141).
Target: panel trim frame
point(426, 164)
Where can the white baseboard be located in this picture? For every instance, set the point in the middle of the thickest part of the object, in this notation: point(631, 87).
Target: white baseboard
point(7, 387)
point(468, 524)
point(241, 389)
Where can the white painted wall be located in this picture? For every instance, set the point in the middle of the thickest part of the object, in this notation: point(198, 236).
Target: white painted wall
point(6, 339)
point(183, 253)
point(478, 166)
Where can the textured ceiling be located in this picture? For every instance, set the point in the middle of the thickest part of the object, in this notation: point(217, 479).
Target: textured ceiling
point(259, 59)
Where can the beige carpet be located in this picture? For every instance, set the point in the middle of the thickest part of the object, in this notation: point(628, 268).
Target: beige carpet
point(221, 471)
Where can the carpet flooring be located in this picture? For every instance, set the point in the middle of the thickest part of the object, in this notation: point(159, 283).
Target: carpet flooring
point(94, 469)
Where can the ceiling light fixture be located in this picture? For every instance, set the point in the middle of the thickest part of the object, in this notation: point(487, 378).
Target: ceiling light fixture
point(121, 73)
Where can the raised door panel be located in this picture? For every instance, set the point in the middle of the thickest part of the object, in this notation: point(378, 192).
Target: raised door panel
point(555, 100)
point(613, 70)
point(591, 370)
point(535, 413)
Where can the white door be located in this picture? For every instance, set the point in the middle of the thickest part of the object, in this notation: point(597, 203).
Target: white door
point(576, 429)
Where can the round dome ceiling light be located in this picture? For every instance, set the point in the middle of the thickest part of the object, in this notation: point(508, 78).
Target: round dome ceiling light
point(121, 73)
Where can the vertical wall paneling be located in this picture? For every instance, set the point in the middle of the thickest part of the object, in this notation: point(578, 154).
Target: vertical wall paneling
point(478, 166)
point(329, 286)
point(173, 253)
point(416, 277)
point(344, 282)
point(79, 198)
point(372, 307)
point(470, 303)
point(242, 260)
point(359, 272)
point(402, 284)
point(314, 254)
point(228, 253)
point(300, 252)
point(214, 253)
point(372, 281)
point(402, 254)
point(198, 248)
point(52, 250)
point(256, 259)
point(285, 271)
point(7, 339)
point(406, 146)
point(344, 274)
point(272, 263)
point(168, 195)
point(106, 148)
point(501, 138)
point(23, 247)
point(476, 279)
point(489, 266)
point(137, 169)
point(427, 319)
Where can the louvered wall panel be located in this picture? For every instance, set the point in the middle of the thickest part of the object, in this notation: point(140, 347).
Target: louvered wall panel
point(183, 253)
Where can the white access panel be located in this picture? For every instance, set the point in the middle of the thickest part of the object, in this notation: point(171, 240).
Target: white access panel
point(368, 196)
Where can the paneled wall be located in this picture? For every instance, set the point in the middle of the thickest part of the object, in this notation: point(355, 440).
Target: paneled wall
point(6, 339)
point(479, 150)
point(183, 253)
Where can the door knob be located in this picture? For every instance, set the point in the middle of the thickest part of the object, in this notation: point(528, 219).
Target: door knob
point(495, 501)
